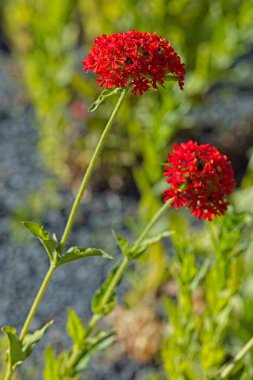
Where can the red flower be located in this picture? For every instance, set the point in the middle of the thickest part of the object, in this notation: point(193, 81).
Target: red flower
point(136, 59)
point(200, 178)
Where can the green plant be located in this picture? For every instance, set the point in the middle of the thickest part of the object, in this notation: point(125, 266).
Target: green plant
point(209, 272)
point(85, 343)
point(198, 343)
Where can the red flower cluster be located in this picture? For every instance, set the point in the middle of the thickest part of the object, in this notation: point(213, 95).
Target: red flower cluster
point(136, 59)
point(200, 177)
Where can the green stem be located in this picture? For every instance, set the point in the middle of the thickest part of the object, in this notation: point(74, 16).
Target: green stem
point(230, 367)
point(70, 221)
point(90, 169)
point(152, 223)
point(37, 300)
point(109, 291)
point(8, 373)
point(76, 354)
point(72, 214)
point(123, 265)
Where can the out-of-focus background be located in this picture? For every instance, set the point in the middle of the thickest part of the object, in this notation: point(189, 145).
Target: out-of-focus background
point(47, 137)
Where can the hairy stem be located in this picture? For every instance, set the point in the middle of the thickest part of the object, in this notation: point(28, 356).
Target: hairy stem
point(73, 213)
point(70, 222)
point(37, 300)
point(8, 373)
point(121, 269)
point(90, 170)
point(76, 354)
point(152, 223)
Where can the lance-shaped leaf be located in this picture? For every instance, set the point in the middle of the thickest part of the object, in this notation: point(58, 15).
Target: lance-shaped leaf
point(76, 253)
point(104, 299)
point(52, 365)
point(30, 340)
point(103, 96)
point(75, 329)
point(50, 243)
point(99, 342)
point(201, 274)
point(136, 252)
point(122, 242)
point(16, 356)
point(19, 350)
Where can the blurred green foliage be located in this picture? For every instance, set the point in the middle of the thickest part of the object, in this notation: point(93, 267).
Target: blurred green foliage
point(210, 269)
point(49, 39)
point(44, 36)
point(3, 347)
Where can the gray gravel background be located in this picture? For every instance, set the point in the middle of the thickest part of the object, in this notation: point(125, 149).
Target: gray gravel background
point(22, 267)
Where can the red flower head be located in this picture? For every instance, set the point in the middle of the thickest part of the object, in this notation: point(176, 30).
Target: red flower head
point(136, 59)
point(200, 177)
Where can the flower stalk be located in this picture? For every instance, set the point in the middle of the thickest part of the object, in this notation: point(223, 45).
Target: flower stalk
point(8, 373)
point(153, 221)
point(37, 300)
point(90, 169)
point(76, 354)
point(121, 269)
point(69, 224)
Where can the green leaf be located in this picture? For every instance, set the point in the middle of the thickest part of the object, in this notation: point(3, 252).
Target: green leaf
point(16, 355)
point(37, 230)
point(156, 238)
point(201, 274)
point(243, 199)
point(20, 350)
point(102, 97)
point(30, 340)
point(52, 365)
point(75, 328)
point(98, 304)
point(49, 243)
point(76, 253)
point(122, 242)
point(139, 250)
point(99, 342)
point(172, 311)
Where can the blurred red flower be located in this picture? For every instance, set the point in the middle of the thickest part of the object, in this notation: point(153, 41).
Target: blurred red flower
point(200, 178)
point(79, 109)
point(136, 59)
